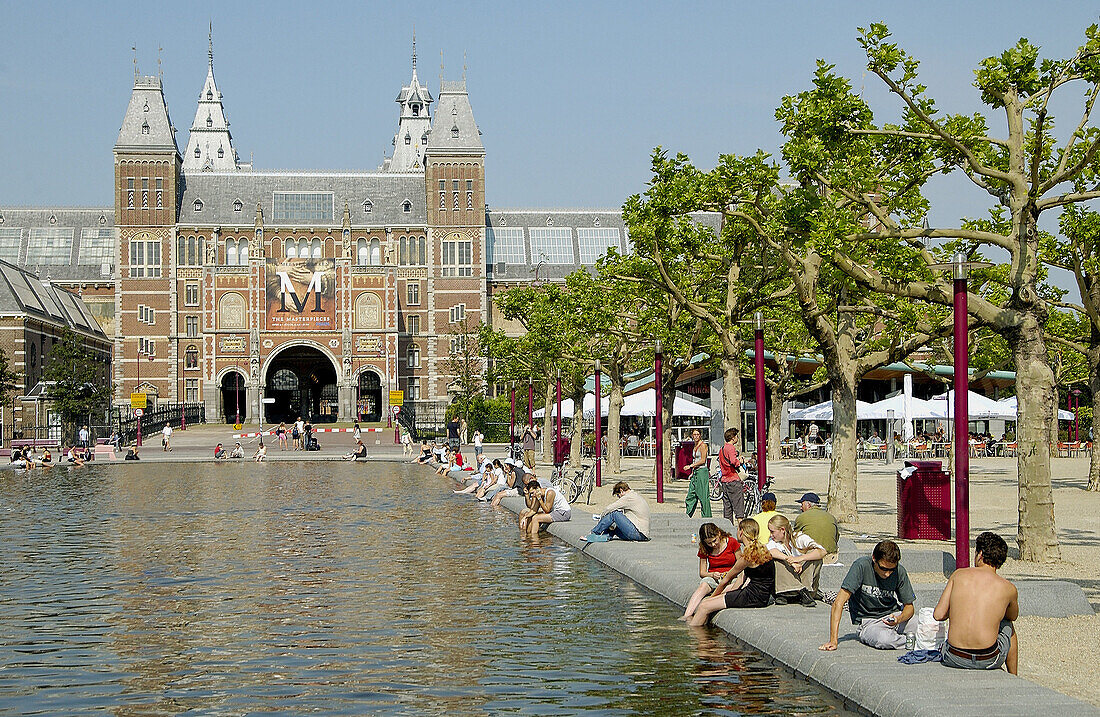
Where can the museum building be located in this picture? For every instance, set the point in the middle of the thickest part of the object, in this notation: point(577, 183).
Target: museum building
point(320, 291)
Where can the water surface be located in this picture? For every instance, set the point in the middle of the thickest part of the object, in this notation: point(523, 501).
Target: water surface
point(332, 588)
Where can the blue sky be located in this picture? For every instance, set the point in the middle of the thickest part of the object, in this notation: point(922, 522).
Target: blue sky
point(571, 97)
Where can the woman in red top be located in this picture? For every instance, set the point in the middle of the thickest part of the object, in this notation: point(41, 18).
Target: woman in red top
point(718, 551)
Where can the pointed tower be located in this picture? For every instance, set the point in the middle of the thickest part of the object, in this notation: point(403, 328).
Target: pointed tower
point(210, 145)
point(147, 184)
point(412, 129)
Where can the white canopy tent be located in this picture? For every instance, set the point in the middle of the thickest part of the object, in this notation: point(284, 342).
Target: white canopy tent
point(638, 404)
point(978, 407)
point(881, 409)
point(644, 403)
point(824, 412)
point(1011, 406)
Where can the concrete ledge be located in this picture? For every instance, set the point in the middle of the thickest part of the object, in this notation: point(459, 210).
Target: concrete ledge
point(870, 680)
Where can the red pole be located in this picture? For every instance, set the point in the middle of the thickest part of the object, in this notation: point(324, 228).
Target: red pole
point(599, 427)
point(761, 417)
point(530, 403)
point(962, 420)
point(238, 375)
point(660, 425)
point(1076, 418)
point(557, 431)
point(512, 422)
point(136, 389)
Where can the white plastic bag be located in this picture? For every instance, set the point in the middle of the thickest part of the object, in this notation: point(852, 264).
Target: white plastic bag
point(931, 633)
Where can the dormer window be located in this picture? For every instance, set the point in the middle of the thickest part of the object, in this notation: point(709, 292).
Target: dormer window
point(209, 121)
point(221, 152)
point(416, 110)
point(197, 153)
point(209, 94)
point(424, 139)
point(406, 206)
point(408, 139)
point(368, 207)
point(454, 131)
point(145, 128)
point(237, 205)
point(145, 108)
point(198, 205)
point(454, 111)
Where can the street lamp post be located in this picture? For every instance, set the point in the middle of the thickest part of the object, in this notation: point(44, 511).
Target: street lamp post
point(137, 389)
point(237, 373)
point(557, 431)
point(761, 417)
point(1076, 415)
point(960, 267)
point(530, 402)
point(599, 427)
point(512, 420)
point(660, 448)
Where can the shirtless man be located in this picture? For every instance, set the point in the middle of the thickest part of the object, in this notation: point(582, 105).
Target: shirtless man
point(982, 607)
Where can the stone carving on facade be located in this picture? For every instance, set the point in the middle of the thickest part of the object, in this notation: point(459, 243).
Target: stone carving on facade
point(232, 313)
point(347, 243)
point(368, 311)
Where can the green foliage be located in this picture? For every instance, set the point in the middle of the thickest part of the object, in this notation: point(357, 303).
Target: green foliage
point(489, 415)
point(75, 379)
point(10, 381)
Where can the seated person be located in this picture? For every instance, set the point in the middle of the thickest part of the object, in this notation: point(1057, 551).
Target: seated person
point(718, 551)
point(47, 457)
point(75, 456)
point(820, 525)
point(445, 463)
point(515, 473)
point(219, 452)
point(627, 518)
point(758, 586)
point(767, 512)
point(360, 451)
point(132, 454)
point(981, 606)
point(797, 559)
point(261, 453)
point(880, 599)
point(498, 484)
point(238, 451)
point(482, 478)
point(549, 505)
point(425, 453)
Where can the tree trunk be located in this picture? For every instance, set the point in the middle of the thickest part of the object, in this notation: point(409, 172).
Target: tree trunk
point(731, 395)
point(576, 444)
point(668, 396)
point(775, 419)
point(843, 499)
point(1036, 535)
point(614, 421)
point(1093, 357)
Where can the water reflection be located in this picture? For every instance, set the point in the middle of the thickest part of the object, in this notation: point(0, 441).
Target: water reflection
point(338, 588)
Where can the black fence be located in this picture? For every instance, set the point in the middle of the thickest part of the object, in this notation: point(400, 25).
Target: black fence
point(424, 419)
point(155, 420)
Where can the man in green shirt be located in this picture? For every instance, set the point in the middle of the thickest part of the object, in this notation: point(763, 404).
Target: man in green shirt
point(819, 525)
point(880, 597)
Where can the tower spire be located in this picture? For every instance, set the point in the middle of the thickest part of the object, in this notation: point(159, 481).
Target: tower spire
point(134, 48)
point(414, 48)
point(210, 40)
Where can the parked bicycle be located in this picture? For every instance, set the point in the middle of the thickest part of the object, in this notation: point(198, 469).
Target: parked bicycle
point(752, 490)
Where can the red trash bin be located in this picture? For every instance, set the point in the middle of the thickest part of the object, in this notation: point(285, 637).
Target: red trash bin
point(924, 502)
point(684, 458)
point(561, 451)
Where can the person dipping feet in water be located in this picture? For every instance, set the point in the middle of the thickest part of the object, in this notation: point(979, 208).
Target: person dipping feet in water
point(756, 563)
point(718, 552)
point(982, 607)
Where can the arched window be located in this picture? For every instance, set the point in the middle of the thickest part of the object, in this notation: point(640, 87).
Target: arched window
point(221, 152)
point(423, 253)
point(406, 206)
point(401, 250)
point(375, 252)
point(197, 153)
point(284, 380)
point(291, 249)
point(191, 357)
point(408, 138)
point(361, 252)
point(315, 248)
point(230, 252)
point(412, 357)
point(242, 251)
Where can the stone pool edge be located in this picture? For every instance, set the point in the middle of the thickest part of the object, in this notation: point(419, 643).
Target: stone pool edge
point(867, 680)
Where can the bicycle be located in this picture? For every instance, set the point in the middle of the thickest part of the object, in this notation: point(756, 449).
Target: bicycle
point(583, 480)
point(752, 490)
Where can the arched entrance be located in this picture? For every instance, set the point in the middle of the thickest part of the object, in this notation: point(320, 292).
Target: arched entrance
point(302, 382)
point(234, 397)
point(370, 397)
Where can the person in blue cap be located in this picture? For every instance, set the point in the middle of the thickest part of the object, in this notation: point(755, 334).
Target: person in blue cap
point(819, 525)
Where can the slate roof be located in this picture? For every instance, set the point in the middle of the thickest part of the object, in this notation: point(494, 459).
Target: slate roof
point(76, 219)
point(146, 126)
point(454, 130)
point(23, 293)
point(386, 192)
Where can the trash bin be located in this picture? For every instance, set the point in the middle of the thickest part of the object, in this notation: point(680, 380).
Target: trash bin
point(561, 451)
point(684, 458)
point(924, 501)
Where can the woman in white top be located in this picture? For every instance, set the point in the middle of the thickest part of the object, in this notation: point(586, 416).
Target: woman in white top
point(550, 506)
point(478, 447)
point(797, 559)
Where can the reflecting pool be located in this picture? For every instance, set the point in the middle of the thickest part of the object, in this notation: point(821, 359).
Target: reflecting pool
point(332, 588)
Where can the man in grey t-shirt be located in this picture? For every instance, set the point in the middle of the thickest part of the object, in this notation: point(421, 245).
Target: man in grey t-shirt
point(880, 598)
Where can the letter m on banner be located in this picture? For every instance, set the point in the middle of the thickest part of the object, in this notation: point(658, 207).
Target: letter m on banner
point(286, 287)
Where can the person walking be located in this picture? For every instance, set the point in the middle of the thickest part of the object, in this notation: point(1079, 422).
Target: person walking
point(166, 437)
point(699, 488)
point(730, 483)
point(529, 440)
point(479, 446)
